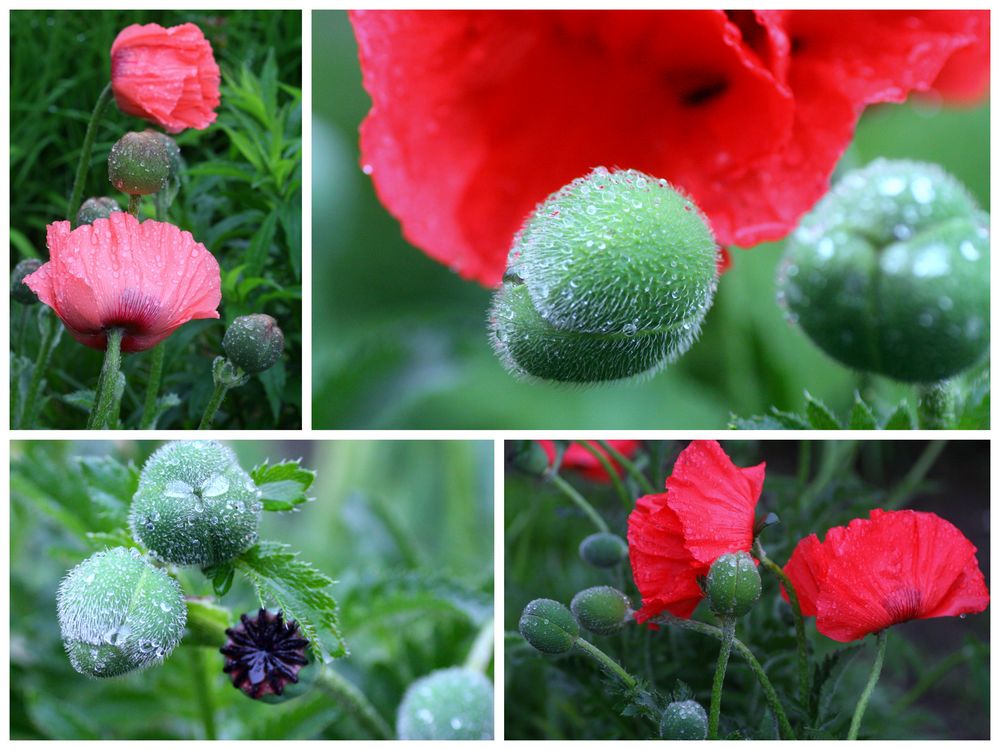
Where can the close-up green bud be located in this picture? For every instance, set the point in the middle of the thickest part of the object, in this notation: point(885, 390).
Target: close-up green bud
point(449, 704)
point(610, 278)
point(139, 163)
point(603, 550)
point(890, 273)
point(118, 613)
point(549, 626)
point(684, 720)
point(94, 209)
point(19, 291)
point(195, 505)
point(733, 584)
point(601, 609)
point(527, 456)
point(254, 343)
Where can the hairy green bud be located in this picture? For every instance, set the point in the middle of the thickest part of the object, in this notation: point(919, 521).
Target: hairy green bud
point(254, 342)
point(603, 550)
point(733, 584)
point(548, 626)
point(19, 291)
point(449, 704)
point(94, 209)
point(601, 609)
point(139, 163)
point(684, 720)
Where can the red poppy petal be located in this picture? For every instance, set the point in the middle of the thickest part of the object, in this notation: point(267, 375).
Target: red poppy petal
point(965, 78)
point(805, 570)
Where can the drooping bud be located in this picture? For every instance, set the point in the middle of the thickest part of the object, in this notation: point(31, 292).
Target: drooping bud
point(610, 278)
point(603, 550)
point(684, 720)
point(19, 291)
point(118, 613)
point(449, 704)
point(254, 343)
point(733, 584)
point(94, 209)
point(139, 164)
point(890, 273)
point(601, 609)
point(548, 626)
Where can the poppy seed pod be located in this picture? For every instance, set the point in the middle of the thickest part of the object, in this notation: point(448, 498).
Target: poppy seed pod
point(890, 273)
point(548, 626)
point(19, 291)
point(254, 343)
point(266, 657)
point(95, 208)
point(195, 505)
point(449, 704)
point(603, 550)
point(139, 163)
point(684, 720)
point(610, 278)
point(600, 609)
point(733, 584)
point(118, 613)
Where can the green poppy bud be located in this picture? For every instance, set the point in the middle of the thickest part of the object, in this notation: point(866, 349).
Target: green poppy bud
point(139, 163)
point(601, 609)
point(684, 720)
point(890, 273)
point(449, 704)
point(254, 342)
point(603, 550)
point(94, 209)
point(548, 626)
point(733, 584)
point(118, 613)
point(610, 278)
point(527, 456)
point(19, 291)
point(195, 505)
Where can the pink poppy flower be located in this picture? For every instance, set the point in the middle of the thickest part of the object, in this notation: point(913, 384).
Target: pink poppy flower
point(148, 278)
point(166, 76)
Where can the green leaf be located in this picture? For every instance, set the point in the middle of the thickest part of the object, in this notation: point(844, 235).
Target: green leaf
point(862, 417)
point(273, 380)
point(299, 590)
point(790, 420)
point(819, 415)
point(283, 486)
point(110, 484)
point(260, 245)
point(900, 419)
point(83, 400)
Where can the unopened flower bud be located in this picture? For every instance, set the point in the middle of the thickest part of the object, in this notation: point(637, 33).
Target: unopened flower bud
point(528, 456)
point(603, 550)
point(254, 343)
point(449, 704)
point(139, 164)
point(19, 291)
point(601, 609)
point(684, 720)
point(733, 584)
point(94, 209)
point(548, 626)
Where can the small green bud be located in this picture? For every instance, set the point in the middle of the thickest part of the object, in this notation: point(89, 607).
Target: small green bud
point(610, 278)
point(733, 585)
point(118, 613)
point(548, 626)
point(139, 164)
point(603, 550)
point(94, 209)
point(449, 704)
point(19, 291)
point(254, 342)
point(890, 273)
point(528, 456)
point(601, 609)
point(684, 720)
point(195, 505)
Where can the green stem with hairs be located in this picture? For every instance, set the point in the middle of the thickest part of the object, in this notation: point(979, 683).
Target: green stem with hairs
point(350, 698)
point(83, 166)
point(134, 203)
point(213, 406)
point(800, 624)
point(859, 711)
point(29, 409)
point(153, 386)
point(715, 708)
point(629, 466)
point(611, 470)
point(203, 692)
point(606, 663)
point(104, 394)
point(580, 502)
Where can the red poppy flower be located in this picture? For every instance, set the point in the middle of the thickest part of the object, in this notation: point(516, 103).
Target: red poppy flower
point(581, 460)
point(477, 116)
point(166, 76)
point(148, 278)
point(883, 570)
point(673, 538)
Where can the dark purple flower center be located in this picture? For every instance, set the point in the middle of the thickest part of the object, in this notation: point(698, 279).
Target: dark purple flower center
point(264, 654)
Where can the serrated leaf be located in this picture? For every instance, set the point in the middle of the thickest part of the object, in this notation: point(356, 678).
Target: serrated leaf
point(402, 595)
point(281, 579)
point(790, 420)
point(110, 484)
point(900, 419)
point(862, 417)
point(221, 576)
point(283, 486)
point(819, 415)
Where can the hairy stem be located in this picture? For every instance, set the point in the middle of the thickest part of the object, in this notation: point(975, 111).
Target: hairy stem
point(152, 386)
point(29, 409)
point(866, 694)
point(350, 698)
point(213, 406)
point(134, 204)
point(83, 166)
point(203, 691)
point(800, 624)
point(606, 663)
point(629, 466)
point(728, 634)
point(104, 395)
point(580, 502)
point(612, 471)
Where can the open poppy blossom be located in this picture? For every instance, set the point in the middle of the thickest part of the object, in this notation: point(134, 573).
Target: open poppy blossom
point(166, 76)
point(581, 460)
point(477, 116)
point(883, 570)
point(673, 538)
point(147, 278)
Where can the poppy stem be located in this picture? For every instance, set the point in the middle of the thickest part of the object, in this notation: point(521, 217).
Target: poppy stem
point(134, 203)
point(347, 696)
point(152, 386)
point(629, 466)
point(859, 711)
point(728, 634)
point(104, 394)
point(612, 471)
point(481, 652)
point(221, 389)
point(51, 333)
point(606, 663)
point(203, 691)
point(88, 145)
point(580, 502)
point(935, 406)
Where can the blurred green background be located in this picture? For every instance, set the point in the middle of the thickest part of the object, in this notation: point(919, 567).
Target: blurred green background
point(405, 528)
point(400, 341)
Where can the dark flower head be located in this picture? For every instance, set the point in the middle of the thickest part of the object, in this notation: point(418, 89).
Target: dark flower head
point(264, 654)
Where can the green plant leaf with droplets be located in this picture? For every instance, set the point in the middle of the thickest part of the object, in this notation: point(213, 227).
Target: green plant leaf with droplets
point(283, 486)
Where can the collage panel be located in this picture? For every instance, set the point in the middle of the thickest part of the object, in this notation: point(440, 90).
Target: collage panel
point(758, 589)
point(251, 590)
point(155, 181)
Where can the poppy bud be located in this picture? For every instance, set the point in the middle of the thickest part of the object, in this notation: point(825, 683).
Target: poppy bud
point(19, 291)
point(684, 720)
point(449, 704)
point(253, 342)
point(195, 505)
point(118, 613)
point(94, 209)
point(528, 456)
point(548, 626)
point(890, 273)
point(601, 609)
point(603, 550)
point(610, 278)
point(733, 584)
point(139, 164)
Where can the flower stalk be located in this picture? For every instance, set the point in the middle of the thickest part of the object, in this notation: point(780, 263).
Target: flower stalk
point(83, 166)
point(859, 711)
point(104, 396)
point(728, 634)
point(153, 386)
